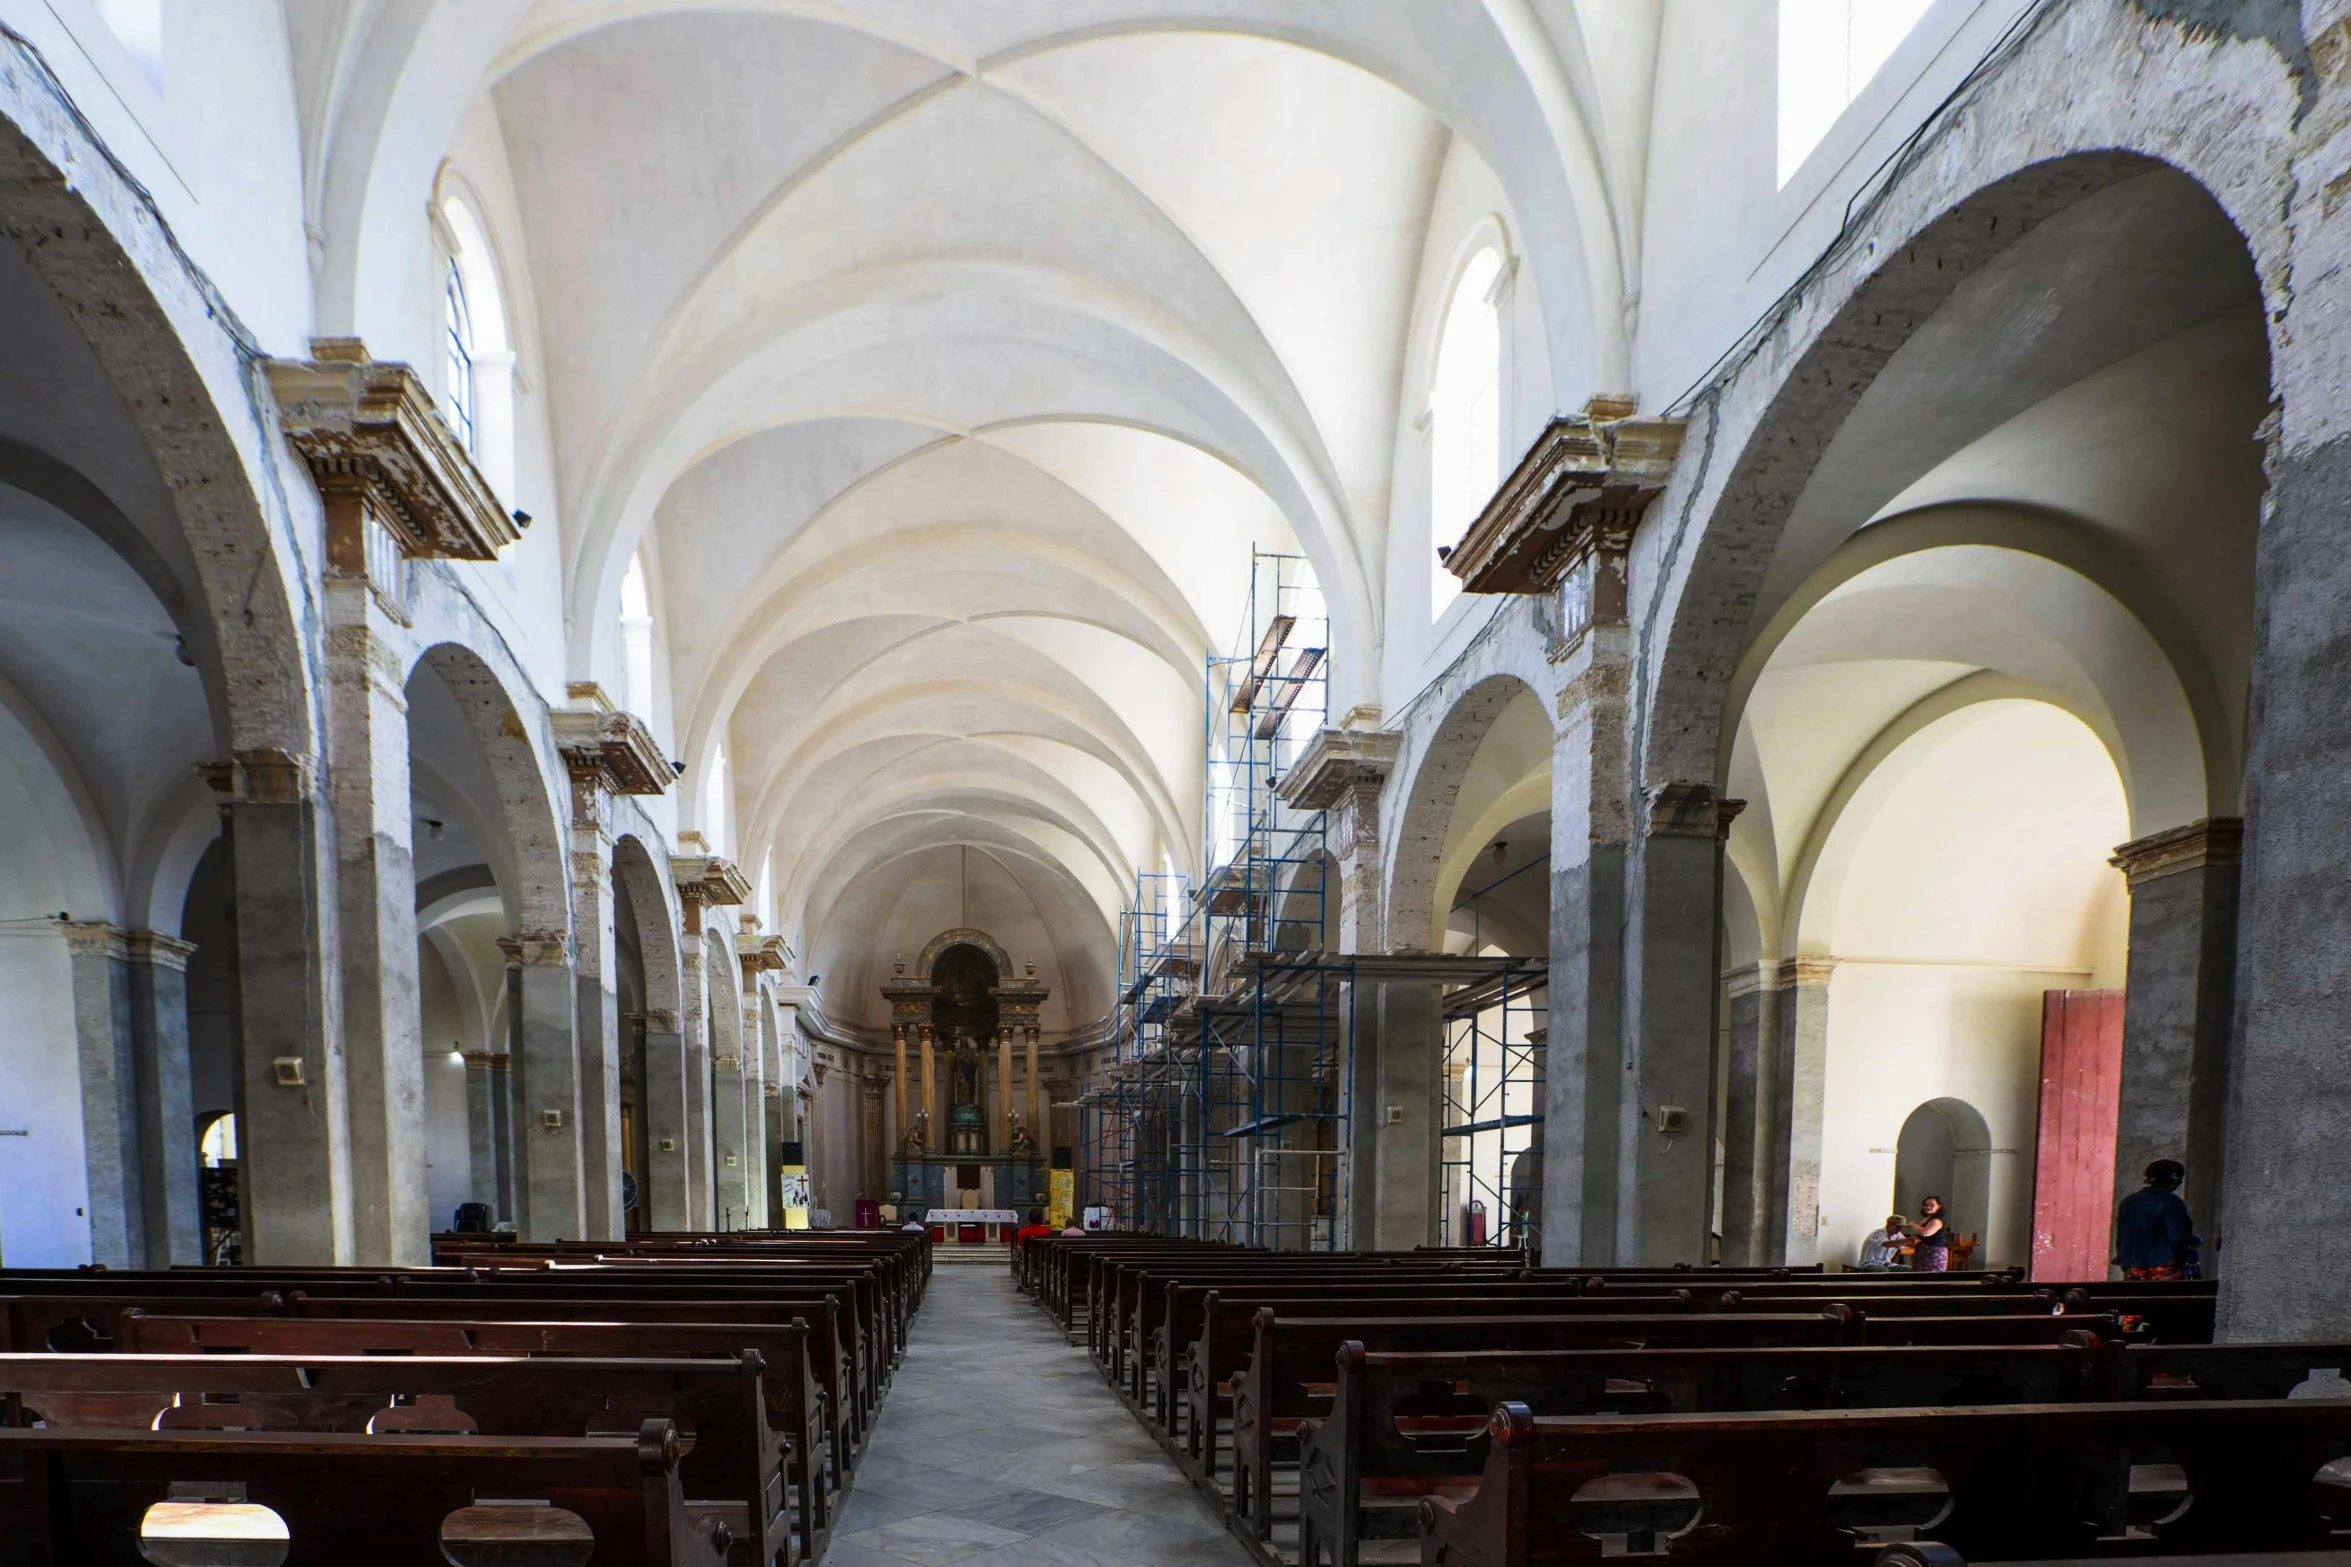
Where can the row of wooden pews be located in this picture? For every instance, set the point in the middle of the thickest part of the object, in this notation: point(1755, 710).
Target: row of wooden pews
point(1469, 1409)
point(681, 1400)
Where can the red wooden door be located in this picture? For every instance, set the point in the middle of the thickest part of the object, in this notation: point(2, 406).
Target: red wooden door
point(2073, 1164)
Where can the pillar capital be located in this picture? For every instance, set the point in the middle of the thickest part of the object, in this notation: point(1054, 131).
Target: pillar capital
point(94, 939)
point(606, 749)
point(530, 948)
point(153, 946)
point(259, 777)
point(2211, 840)
point(1690, 810)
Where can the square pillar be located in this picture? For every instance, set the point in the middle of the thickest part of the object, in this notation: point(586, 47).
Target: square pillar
point(1802, 1097)
point(731, 1150)
point(488, 1128)
point(158, 968)
point(703, 881)
point(1751, 1112)
point(1672, 941)
point(395, 487)
point(1583, 1066)
point(1411, 1054)
point(375, 871)
point(293, 1129)
point(110, 1094)
point(666, 1203)
point(2176, 1010)
point(550, 1171)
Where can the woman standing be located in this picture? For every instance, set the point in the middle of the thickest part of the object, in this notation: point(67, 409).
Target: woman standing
point(1934, 1238)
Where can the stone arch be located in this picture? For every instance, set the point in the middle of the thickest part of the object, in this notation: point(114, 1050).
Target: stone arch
point(188, 377)
point(637, 876)
point(963, 936)
point(1308, 906)
point(1972, 185)
point(514, 748)
point(1427, 798)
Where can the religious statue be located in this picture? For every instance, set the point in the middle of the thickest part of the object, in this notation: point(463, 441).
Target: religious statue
point(1023, 1145)
point(918, 1136)
point(966, 1130)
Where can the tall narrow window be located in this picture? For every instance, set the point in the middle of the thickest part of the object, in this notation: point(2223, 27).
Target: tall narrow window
point(1829, 50)
point(1465, 415)
point(636, 640)
point(477, 372)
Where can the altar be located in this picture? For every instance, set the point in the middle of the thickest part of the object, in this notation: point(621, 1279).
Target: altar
point(966, 1143)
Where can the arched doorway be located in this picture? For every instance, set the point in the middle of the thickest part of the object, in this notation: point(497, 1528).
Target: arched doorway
point(1945, 1150)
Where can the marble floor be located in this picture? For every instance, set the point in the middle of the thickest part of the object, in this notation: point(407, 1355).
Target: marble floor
point(1000, 1446)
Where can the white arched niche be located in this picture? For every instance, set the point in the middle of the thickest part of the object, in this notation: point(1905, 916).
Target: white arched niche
point(1965, 876)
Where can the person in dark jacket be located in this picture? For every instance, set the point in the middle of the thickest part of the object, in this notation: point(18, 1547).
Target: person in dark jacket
point(2154, 1238)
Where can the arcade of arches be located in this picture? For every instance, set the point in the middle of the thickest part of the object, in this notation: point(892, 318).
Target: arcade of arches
point(604, 608)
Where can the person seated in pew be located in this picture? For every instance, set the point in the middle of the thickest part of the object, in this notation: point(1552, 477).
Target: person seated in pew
point(2154, 1236)
point(1932, 1240)
point(1883, 1247)
point(1035, 1227)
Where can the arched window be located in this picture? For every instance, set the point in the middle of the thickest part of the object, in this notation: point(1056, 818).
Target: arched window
point(457, 371)
point(219, 1146)
point(1465, 414)
point(1829, 50)
point(477, 373)
point(636, 640)
point(716, 792)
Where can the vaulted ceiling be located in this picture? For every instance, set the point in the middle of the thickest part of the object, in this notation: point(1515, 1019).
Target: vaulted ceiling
point(947, 361)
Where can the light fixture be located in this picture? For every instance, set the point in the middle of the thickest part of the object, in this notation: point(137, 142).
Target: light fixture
point(433, 829)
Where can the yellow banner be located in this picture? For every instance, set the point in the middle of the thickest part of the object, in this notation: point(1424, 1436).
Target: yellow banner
point(1062, 1200)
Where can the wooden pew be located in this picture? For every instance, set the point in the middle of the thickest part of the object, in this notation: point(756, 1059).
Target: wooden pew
point(1400, 1426)
point(1284, 1381)
point(2021, 1482)
point(1198, 1382)
point(816, 1457)
point(358, 1501)
point(1282, 1385)
point(734, 1475)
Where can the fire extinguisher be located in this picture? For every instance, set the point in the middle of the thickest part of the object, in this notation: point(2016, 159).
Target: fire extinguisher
point(1477, 1222)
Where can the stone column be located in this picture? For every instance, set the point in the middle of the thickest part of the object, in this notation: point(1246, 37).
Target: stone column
point(1036, 1105)
point(293, 1134)
point(595, 1002)
point(605, 752)
point(167, 1129)
point(1583, 1065)
point(2176, 1009)
point(930, 1095)
point(110, 1092)
point(1802, 1095)
point(898, 1078)
point(551, 1170)
point(874, 1167)
point(485, 1075)
point(1751, 1108)
point(666, 1202)
point(703, 881)
point(694, 1075)
point(730, 1155)
point(1406, 1090)
point(1003, 1092)
point(375, 869)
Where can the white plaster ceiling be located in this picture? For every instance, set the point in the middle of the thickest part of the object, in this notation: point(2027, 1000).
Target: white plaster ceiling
point(947, 361)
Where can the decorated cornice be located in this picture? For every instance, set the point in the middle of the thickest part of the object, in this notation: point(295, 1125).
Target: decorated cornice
point(1338, 760)
point(2211, 840)
point(1580, 489)
point(708, 879)
point(368, 429)
point(762, 954)
point(614, 747)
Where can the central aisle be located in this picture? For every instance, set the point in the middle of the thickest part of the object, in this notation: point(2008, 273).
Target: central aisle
point(1000, 1446)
